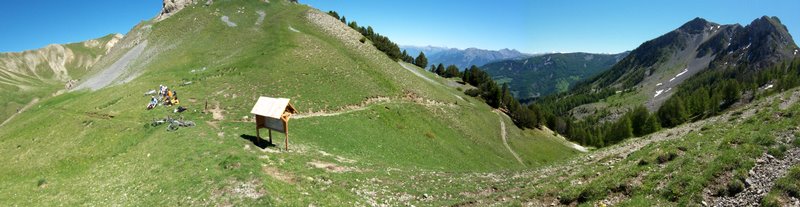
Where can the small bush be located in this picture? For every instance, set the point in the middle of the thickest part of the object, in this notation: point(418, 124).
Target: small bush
point(790, 183)
point(42, 182)
point(363, 40)
point(661, 159)
point(735, 186)
point(643, 162)
point(430, 135)
point(771, 200)
point(764, 139)
point(569, 195)
point(796, 141)
point(777, 152)
point(472, 92)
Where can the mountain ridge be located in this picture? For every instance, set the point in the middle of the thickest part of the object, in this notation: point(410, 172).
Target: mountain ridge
point(666, 61)
point(463, 58)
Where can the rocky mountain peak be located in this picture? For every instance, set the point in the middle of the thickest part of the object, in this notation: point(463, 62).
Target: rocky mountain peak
point(696, 25)
point(768, 25)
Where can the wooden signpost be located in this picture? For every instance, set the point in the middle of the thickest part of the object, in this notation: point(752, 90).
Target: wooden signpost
point(273, 114)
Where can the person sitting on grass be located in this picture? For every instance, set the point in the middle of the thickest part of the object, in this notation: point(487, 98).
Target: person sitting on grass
point(174, 100)
point(153, 103)
point(168, 98)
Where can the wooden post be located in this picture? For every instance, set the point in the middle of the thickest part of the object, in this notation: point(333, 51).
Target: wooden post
point(270, 136)
point(286, 132)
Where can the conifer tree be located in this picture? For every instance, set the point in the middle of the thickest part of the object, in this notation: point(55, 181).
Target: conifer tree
point(421, 61)
point(638, 118)
point(622, 129)
point(452, 71)
point(440, 69)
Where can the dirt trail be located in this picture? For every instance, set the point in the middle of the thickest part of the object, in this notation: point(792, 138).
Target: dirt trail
point(409, 68)
point(26, 107)
point(503, 134)
point(322, 114)
point(369, 102)
point(346, 109)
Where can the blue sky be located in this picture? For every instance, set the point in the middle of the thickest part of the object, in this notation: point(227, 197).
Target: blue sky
point(31, 24)
point(531, 26)
point(536, 26)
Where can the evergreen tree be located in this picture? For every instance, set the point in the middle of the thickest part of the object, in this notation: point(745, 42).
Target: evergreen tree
point(638, 118)
point(622, 129)
point(370, 32)
point(672, 113)
point(421, 61)
point(334, 14)
point(731, 92)
point(540, 114)
point(466, 75)
point(505, 95)
point(406, 58)
point(353, 25)
point(440, 69)
point(651, 125)
point(452, 71)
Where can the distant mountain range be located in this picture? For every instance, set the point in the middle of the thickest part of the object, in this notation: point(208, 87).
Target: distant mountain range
point(463, 58)
point(550, 73)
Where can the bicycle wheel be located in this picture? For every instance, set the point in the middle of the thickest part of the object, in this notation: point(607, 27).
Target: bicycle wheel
point(172, 127)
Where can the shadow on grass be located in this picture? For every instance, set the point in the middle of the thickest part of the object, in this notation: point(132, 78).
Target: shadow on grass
point(260, 143)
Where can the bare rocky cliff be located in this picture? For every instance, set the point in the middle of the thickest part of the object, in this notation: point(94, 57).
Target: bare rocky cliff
point(170, 7)
point(55, 62)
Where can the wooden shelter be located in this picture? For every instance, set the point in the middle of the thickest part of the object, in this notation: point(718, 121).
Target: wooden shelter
point(273, 114)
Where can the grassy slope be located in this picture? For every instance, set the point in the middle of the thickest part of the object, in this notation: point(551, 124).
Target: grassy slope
point(692, 161)
point(97, 147)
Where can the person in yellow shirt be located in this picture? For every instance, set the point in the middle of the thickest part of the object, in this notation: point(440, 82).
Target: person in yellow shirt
point(168, 98)
point(174, 99)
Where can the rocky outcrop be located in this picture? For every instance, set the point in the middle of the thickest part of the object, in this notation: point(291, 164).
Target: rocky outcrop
point(53, 62)
point(761, 178)
point(170, 7)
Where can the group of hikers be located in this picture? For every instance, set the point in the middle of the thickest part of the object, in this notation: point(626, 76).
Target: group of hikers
point(165, 96)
